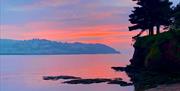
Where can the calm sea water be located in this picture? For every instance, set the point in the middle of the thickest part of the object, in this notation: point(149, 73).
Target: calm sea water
point(25, 72)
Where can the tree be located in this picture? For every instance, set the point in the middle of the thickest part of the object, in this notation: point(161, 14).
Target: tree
point(176, 17)
point(149, 14)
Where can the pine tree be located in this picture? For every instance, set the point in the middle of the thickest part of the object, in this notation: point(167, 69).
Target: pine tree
point(149, 14)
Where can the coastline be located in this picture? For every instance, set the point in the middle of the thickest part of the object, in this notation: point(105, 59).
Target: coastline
point(170, 87)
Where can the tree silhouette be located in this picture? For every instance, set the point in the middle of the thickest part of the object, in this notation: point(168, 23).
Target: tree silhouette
point(149, 14)
point(176, 17)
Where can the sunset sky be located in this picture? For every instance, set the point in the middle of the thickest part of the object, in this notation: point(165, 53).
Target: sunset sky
point(89, 21)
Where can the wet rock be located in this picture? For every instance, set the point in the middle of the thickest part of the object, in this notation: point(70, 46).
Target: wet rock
point(117, 81)
point(87, 81)
point(119, 68)
point(120, 82)
point(59, 77)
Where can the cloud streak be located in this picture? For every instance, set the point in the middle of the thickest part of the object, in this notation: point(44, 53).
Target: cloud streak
point(93, 4)
point(94, 21)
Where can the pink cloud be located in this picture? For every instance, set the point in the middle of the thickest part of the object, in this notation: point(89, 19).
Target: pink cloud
point(111, 34)
point(38, 4)
point(49, 30)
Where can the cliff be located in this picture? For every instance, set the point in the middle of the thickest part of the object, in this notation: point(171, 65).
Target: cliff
point(159, 52)
point(156, 61)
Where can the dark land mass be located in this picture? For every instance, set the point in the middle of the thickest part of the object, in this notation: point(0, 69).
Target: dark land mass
point(79, 80)
point(87, 81)
point(146, 79)
point(156, 61)
point(47, 47)
point(117, 81)
point(60, 77)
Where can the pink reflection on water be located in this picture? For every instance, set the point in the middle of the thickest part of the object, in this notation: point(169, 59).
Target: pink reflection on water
point(88, 66)
point(28, 71)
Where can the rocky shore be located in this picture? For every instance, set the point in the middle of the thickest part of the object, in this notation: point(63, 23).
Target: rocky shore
point(158, 53)
point(156, 62)
point(172, 87)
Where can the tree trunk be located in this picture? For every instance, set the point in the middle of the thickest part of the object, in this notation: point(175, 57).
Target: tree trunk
point(151, 31)
point(158, 29)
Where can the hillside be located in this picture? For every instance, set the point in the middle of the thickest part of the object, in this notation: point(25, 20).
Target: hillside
point(156, 61)
point(42, 46)
point(158, 52)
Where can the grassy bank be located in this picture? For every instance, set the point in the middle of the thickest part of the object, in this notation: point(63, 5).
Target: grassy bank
point(158, 52)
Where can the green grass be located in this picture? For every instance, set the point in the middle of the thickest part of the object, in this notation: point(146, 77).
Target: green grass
point(160, 38)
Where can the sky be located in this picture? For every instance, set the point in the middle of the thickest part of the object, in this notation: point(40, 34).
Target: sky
point(87, 21)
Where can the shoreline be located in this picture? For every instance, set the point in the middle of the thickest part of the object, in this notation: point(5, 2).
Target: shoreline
point(169, 87)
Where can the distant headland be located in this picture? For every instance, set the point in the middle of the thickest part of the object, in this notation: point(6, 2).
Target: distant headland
point(47, 47)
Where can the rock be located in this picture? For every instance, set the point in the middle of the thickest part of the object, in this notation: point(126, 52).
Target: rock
point(120, 82)
point(59, 77)
point(119, 68)
point(78, 80)
point(87, 81)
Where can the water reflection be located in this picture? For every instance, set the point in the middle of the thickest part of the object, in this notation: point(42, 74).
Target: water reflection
point(26, 72)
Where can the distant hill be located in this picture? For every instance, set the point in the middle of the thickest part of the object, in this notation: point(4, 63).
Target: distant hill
point(47, 47)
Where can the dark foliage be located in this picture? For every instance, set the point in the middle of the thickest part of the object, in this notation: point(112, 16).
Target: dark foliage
point(176, 17)
point(149, 14)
